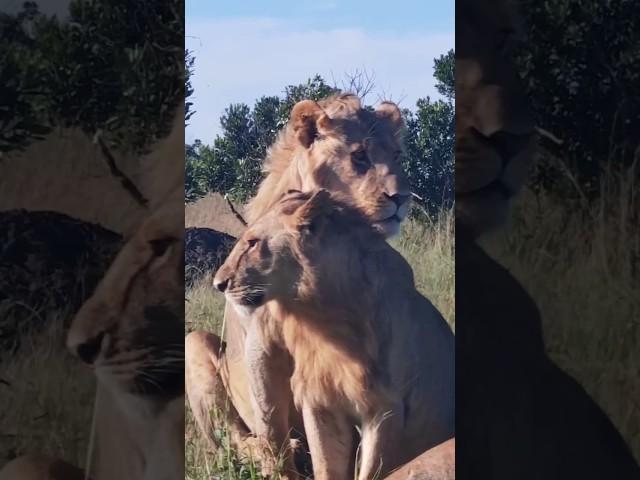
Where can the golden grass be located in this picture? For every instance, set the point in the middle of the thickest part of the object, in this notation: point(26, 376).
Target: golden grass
point(212, 211)
point(46, 399)
point(582, 270)
point(580, 264)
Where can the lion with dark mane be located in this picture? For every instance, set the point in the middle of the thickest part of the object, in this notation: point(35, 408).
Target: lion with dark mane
point(517, 414)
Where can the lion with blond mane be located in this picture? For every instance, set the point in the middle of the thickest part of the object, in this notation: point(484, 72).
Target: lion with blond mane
point(368, 350)
point(334, 144)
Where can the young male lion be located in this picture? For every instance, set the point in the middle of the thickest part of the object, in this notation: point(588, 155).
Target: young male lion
point(369, 351)
point(334, 144)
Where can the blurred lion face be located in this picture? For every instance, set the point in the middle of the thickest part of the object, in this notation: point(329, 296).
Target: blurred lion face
point(494, 125)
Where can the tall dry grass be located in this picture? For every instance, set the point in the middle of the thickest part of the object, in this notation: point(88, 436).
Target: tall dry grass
point(581, 263)
point(213, 211)
point(428, 247)
point(46, 398)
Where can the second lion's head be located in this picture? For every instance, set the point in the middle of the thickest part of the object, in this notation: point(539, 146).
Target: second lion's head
point(337, 145)
point(307, 248)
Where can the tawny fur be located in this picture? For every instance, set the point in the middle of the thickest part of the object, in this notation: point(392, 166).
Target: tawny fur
point(291, 165)
point(313, 151)
point(366, 347)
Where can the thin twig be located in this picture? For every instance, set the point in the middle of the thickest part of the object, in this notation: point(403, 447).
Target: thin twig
point(548, 135)
point(419, 205)
point(235, 212)
point(572, 178)
point(126, 182)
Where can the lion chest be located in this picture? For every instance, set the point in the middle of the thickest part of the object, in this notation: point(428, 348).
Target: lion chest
point(330, 370)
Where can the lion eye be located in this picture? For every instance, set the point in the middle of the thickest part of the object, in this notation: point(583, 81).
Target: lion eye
point(252, 242)
point(360, 159)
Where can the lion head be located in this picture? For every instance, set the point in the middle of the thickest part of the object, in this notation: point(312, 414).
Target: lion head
point(338, 145)
point(131, 329)
point(494, 126)
point(306, 246)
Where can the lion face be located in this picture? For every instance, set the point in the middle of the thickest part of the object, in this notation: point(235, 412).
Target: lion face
point(337, 145)
point(131, 329)
point(494, 126)
point(261, 266)
point(288, 252)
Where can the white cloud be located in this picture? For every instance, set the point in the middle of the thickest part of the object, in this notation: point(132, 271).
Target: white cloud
point(240, 60)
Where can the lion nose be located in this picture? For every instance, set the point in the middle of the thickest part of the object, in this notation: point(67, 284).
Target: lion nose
point(398, 199)
point(89, 350)
point(221, 285)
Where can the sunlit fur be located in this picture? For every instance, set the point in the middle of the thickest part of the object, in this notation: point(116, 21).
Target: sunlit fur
point(364, 342)
point(313, 150)
point(336, 127)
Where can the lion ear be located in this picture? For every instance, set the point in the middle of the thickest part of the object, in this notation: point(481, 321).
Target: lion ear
point(308, 120)
point(391, 112)
point(310, 214)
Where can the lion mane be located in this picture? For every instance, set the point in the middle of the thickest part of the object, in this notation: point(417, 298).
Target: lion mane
point(313, 257)
point(335, 144)
point(292, 164)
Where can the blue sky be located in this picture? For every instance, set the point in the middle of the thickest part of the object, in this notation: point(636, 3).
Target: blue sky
point(388, 15)
point(248, 48)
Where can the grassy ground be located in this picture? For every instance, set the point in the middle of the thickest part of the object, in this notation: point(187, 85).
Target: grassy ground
point(429, 249)
point(46, 399)
point(582, 271)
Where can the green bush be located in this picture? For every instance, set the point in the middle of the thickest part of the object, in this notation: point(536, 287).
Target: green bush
point(581, 67)
point(116, 68)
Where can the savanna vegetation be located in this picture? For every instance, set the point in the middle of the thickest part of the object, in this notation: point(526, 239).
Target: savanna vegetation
point(574, 241)
point(231, 163)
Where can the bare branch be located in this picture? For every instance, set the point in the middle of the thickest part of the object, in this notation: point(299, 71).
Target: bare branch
point(235, 212)
point(126, 182)
point(548, 135)
point(383, 97)
point(360, 82)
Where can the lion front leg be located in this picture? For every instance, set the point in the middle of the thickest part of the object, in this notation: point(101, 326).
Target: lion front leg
point(206, 392)
point(381, 435)
point(330, 437)
point(271, 398)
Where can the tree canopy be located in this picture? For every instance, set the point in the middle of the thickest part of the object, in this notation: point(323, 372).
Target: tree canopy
point(581, 67)
point(115, 67)
point(232, 163)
